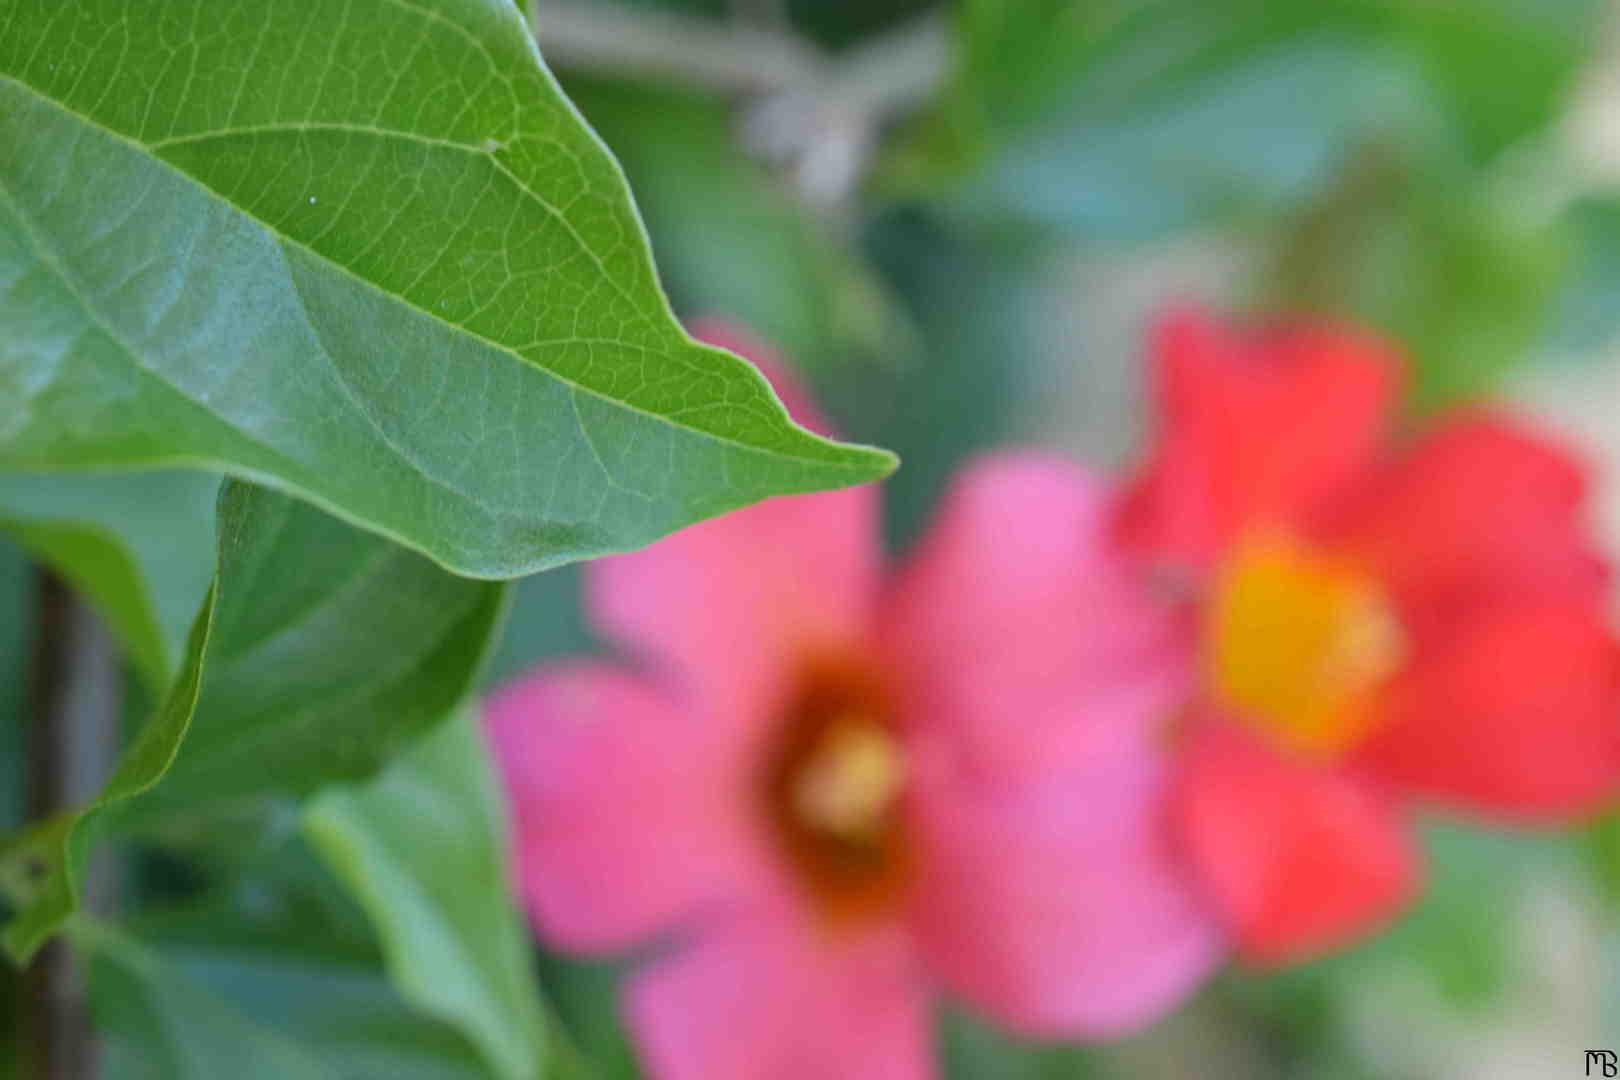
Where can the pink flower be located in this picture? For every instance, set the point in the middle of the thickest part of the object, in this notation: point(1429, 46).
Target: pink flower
point(812, 790)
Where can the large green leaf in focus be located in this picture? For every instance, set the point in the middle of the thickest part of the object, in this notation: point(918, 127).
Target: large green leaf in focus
point(366, 253)
point(139, 545)
point(422, 847)
point(321, 652)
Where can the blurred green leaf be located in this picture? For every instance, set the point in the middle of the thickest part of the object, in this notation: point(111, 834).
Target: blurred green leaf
point(972, 1051)
point(586, 994)
point(321, 652)
point(546, 621)
point(1127, 118)
point(1464, 280)
point(164, 1027)
point(1599, 845)
point(140, 546)
point(422, 847)
point(731, 239)
point(196, 983)
point(1587, 313)
point(393, 273)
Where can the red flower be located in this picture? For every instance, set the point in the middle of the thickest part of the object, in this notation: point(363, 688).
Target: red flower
point(1380, 622)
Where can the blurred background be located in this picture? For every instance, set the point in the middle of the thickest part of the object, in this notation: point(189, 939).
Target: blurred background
point(956, 221)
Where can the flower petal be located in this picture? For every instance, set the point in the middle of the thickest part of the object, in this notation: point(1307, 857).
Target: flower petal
point(1255, 428)
point(1477, 513)
point(1060, 909)
point(1301, 858)
point(1017, 635)
point(768, 998)
point(625, 816)
point(724, 605)
point(1517, 716)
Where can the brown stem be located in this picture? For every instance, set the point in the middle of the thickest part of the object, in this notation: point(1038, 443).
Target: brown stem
point(75, 688)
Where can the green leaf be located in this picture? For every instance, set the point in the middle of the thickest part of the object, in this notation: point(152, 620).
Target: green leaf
point(1128, 118)
point(971, 1050)
point(178, 1004)
point(731, 240)
point(1463, 279)
point(139, 545)
point(1598, 845)
point(1587, 313)
point(366, 253)
point(321, 652)
point(422, 848)
point(181, 1031)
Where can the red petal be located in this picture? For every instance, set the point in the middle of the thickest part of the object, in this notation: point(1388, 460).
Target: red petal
point(1518, 716)
point(1475, 514)
point(1254, 427)
point(1299, 857)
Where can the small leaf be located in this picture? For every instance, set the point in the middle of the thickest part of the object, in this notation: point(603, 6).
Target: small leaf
point(168, 1001)
point(182, 1032)
point(139, 545)
point(422, 847)
point(366, 253)
point(320, 653)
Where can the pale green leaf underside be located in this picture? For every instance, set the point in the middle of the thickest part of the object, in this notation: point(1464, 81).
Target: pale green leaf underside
point(422, 848)
point(321, 652)
point(364, 251)
point(163, 1026)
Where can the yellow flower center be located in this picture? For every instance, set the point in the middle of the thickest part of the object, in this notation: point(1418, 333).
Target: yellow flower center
point(850, 780)
point(832, 789)
point(1299, 641)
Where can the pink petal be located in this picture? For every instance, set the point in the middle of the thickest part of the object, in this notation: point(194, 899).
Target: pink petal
point(1020, 641)
point(1255, 427)
point(727, 605)
point(765, 997)
point(1060, 909)
point(1517, 716)
point(1299, 856)
point(625, 814)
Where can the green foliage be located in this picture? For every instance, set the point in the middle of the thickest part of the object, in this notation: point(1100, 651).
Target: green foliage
point(971, 1050)
point(366, 253)
point(320, 653)
point(422, 848)
point(731, 239)
point(1463, 280)
point(278, 961)
point(1128, 118)
point(1584, 319)
point(140, 546)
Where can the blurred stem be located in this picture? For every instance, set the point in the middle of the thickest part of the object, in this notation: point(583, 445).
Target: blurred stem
point(73, 738)
point(813, 115)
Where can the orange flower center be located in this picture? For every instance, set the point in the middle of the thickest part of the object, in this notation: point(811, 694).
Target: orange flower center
point(833, 788)
point(1299, 642)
